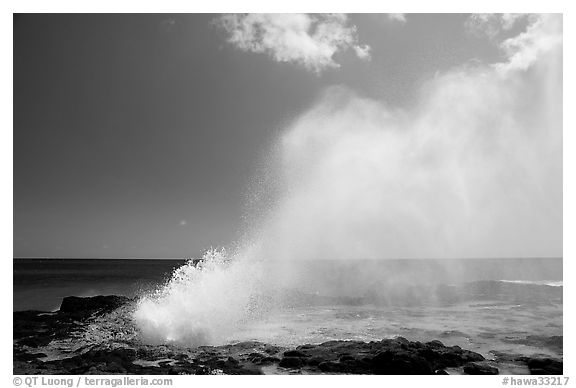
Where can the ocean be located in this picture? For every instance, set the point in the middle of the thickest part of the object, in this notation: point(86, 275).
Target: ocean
point(40, 284)
point(484, 305)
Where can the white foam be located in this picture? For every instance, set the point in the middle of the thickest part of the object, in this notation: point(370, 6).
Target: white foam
point(201, 304)
point(552, 283)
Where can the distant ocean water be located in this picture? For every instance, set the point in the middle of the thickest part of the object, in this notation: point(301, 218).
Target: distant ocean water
point(40, 284)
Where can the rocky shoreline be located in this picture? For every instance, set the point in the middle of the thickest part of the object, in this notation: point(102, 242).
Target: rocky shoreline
point(91, 337)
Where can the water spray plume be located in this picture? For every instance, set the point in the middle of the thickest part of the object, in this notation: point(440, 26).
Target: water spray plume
point(473, 169)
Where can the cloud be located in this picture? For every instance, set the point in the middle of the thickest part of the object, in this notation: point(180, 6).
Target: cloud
point(543, 33)
point(363, 52)
point(307, 40)
point(397, 17)
point(493, 24)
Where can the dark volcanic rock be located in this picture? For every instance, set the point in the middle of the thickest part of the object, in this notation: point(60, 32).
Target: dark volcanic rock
point(480, 368)
point(110, 361)
point(291, 362)
point(344, 367)
point(443, 357)
point(545, 366)
point(262, 359)
point(37, 328)
point(507, 357)
point(23, 356)
point(401, 362)
point(100, 303)
point(389, 356)
point(294, 353)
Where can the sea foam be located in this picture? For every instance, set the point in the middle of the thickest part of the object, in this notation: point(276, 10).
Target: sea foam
point(202, 303)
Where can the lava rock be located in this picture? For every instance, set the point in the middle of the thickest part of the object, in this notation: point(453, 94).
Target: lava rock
point(262, 359)
point(291, 362)
point(545, 366)
point(294, 353)
point(332, 367)
point(480, 368)
point(400, 363)
point(32, 330)
point(100, 303)
point(389, 356)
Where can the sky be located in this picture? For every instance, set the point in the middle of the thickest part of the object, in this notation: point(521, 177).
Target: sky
point(142, 135)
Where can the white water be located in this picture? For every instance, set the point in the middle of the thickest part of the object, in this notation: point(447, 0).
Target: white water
point(201, 303)
point(473, 169)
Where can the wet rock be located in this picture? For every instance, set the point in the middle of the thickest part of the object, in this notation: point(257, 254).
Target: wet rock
point(271, 349)
point(545, 366)
point(269, 360)
point(506, 357)
point(480, 368)
point(332, 367)
point(400, 363)
point(435, 344)
point(100, 303)
point(255, 357)
point(441, 356)
point(152, 353)
point(306, 346)
point(182, 370)
point(389, 356)
point(36, 342)
point(23, 356)
point(314, 361)
point(36, 329)
point(114, 368)
point(294, 353)
point(262, 359)
point(291, 362)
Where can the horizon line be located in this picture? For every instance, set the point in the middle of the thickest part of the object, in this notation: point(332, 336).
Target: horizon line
point(188, 257)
